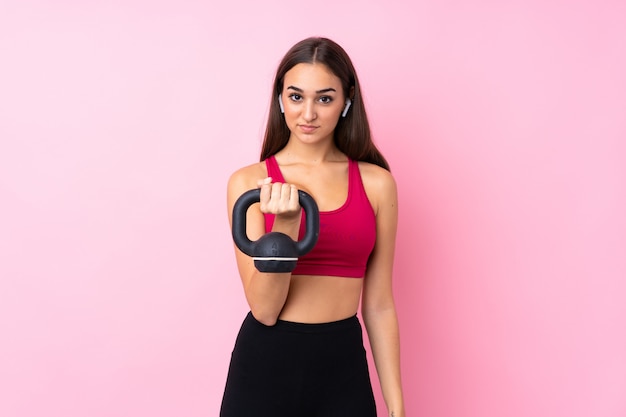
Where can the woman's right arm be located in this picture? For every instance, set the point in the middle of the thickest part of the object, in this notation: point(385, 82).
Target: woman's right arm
point(266, 293)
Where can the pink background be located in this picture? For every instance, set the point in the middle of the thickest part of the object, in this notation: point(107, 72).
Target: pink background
point(120, 122)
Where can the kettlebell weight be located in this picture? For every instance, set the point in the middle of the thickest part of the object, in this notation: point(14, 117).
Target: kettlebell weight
point(275, 251)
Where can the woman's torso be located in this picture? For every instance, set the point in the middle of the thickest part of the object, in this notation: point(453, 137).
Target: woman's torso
point(321, 298)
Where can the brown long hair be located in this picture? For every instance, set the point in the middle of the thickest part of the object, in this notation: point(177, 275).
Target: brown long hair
point(352, 134)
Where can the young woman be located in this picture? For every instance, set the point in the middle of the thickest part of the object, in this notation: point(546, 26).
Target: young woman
point(300, 349)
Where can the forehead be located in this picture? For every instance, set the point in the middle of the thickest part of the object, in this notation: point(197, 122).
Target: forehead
point(311, 77)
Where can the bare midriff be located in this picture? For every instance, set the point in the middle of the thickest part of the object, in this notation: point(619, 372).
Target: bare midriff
point(321, 299)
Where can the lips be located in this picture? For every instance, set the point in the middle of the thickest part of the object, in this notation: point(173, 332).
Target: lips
point(307, 128)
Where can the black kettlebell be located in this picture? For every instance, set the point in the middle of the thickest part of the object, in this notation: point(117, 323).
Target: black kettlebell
point(275, 251)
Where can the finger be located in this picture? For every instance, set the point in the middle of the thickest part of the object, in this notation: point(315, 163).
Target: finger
point(277, 188)
point(275, 196)
point(264, 181)
point(264, 197)
point(285, 195)
point(294, 197)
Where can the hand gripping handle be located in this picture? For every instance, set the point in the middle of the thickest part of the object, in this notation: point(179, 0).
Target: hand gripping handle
point(254, 196)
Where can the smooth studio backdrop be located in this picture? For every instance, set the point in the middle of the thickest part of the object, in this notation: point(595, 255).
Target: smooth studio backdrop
point(121, 121)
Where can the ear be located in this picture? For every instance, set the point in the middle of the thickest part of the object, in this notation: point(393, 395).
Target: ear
point(345, 109)
point(280, 104)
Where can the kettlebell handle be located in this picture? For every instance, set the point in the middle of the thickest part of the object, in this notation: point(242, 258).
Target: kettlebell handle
point(250, 197)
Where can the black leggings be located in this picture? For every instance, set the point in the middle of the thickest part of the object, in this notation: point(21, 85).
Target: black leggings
point(299, 370)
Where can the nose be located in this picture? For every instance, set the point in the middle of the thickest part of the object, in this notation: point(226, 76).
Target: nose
point(308, 112)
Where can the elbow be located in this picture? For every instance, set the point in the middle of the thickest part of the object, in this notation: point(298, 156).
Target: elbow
point(265, 318)
point(267, 321)
point(265, 306)
point(371, 313)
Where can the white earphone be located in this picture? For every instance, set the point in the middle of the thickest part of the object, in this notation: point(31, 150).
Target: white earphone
point(345, 110)
point(280, 104)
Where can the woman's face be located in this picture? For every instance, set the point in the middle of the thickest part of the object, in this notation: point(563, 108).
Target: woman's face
point(313, 100)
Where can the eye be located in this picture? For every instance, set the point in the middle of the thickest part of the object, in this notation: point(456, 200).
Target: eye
point(295, 97)
point(326, 99)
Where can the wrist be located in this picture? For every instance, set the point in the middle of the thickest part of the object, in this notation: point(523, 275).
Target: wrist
point(396, 411)
point(291, 217)
point(287, 221)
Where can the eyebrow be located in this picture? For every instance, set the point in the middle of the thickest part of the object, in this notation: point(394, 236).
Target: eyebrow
point(299, 90)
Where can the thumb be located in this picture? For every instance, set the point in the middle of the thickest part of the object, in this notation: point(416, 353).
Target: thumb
point(263, 182)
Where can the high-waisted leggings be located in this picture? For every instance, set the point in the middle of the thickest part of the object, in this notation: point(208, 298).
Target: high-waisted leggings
point(299, 370)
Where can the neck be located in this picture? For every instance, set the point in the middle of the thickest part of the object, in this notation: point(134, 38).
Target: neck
point(317, 153)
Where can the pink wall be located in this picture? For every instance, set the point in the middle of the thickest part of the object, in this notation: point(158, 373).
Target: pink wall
point(121, 121)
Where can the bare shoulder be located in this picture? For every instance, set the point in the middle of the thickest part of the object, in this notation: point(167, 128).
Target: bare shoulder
point(376, 178)
point(379, 184)
point(248, 176)
point(245, 179)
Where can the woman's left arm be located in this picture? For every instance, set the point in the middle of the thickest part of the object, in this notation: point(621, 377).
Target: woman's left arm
point(378, 307)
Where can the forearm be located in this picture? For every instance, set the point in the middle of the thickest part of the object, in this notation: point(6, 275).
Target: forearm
point(382, 328)
point(267, 292)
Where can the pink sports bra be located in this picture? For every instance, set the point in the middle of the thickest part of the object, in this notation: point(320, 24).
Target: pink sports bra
point(347, 234)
